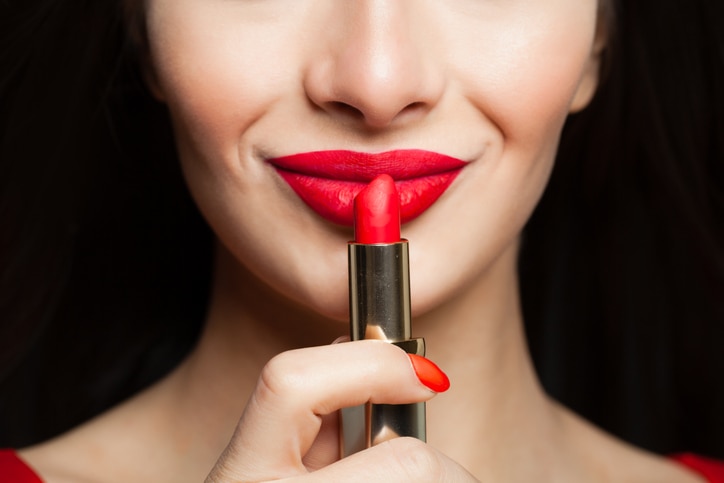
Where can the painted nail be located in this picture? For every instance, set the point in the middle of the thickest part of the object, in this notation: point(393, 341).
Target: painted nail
point(429, 374)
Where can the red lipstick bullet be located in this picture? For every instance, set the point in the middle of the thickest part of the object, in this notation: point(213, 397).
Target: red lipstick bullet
point(377, 212)
point(379, 306)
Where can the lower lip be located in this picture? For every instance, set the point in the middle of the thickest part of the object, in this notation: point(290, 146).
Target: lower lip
point(333, 199)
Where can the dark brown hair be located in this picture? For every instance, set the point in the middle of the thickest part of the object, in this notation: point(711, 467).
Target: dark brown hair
point(104, 261)
point(622, 268)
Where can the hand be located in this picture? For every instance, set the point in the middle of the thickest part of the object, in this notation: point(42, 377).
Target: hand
point(289, 427)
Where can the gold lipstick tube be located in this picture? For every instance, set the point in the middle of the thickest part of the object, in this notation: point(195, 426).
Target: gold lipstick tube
point(379, 305)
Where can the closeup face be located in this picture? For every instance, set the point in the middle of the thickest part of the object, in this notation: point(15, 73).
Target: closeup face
point(467, 95)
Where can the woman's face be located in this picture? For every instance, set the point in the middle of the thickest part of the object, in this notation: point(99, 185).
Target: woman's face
point(488, 82)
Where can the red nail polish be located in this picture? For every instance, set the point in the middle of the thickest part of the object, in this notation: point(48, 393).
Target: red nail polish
point(429, 374)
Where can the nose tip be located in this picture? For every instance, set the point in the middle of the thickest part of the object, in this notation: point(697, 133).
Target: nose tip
point(375, 72)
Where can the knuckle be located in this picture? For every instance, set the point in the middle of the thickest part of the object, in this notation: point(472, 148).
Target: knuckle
point(417, 460)
point(280, 378)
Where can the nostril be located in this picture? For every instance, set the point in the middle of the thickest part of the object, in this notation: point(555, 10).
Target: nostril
point(410, 112)
point(414, 107)
point(345, 110)
point(350, 112)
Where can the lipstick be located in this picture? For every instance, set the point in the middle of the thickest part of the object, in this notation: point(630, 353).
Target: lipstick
point(379, 304)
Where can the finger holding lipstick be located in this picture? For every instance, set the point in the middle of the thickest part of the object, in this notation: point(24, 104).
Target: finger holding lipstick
point(298, 390)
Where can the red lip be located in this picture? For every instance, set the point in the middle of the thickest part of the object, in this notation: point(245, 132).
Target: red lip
point(328, 181)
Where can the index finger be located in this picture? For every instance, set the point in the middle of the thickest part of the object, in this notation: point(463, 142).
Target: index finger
point(283, 416)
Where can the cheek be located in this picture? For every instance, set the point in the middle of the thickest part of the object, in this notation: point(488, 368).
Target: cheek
point(521, 79)
point(524, 77)
point(212, 73)
point(526, 68)
point(225, 78)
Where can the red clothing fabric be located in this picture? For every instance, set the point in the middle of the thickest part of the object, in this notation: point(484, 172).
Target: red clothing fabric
point(15, 470)
point(711, 470)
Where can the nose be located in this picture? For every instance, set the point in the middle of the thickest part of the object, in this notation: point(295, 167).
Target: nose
point(375, 65)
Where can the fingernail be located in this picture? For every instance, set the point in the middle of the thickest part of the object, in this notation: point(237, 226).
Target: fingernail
point(429, 374)
point(343, 338)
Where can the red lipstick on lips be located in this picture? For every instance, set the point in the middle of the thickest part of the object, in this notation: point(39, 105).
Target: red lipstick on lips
point(379, 306)
point(328, 181)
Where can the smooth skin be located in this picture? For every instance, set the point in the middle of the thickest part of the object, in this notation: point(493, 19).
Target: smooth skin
point(488, 81)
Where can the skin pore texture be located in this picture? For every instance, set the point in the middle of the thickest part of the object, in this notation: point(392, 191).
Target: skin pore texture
point(488, 82)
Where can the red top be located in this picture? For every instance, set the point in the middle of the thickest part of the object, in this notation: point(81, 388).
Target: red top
point(15, 470)
point(711, 470)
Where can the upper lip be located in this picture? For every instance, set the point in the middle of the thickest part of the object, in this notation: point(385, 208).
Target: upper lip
point(364, 167)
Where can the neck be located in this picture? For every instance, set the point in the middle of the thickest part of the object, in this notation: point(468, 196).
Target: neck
point(477, 338)
point(495, 402)
point(247, 324)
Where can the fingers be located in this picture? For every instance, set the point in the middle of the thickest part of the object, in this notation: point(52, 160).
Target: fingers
point(325, 449)
point(399, 460)
point(298, 388)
